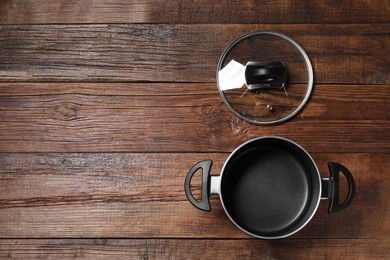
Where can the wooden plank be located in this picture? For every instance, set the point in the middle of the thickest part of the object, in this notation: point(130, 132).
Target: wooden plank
point(186, 11)
point(343, 54)
point(121, 195)
point(194, 249)
point(58, 117)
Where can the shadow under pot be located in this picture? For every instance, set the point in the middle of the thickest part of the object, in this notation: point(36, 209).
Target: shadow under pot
point(270, 187)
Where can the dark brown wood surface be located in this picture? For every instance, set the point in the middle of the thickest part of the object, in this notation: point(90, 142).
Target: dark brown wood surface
point(105, 106)
point(188, 11)
point(180, 53)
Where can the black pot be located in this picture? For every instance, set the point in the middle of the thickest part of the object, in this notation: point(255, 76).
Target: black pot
point(270, 187)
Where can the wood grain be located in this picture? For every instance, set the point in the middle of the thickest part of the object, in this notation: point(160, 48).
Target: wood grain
point(141, 195)
point(105, 105)
point(194, 249)
point(180, 53)
point(186, 11)
point(57, 117)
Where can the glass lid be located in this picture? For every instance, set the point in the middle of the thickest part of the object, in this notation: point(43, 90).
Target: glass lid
point(264, 77)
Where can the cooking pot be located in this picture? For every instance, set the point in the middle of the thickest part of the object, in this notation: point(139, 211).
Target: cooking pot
point(270, 187)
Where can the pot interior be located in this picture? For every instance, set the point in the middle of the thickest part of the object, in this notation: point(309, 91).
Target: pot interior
point(270, 187)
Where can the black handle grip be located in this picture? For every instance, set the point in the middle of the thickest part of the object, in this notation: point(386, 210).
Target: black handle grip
point(204, 204)
point(265, 75)
point(331, 187)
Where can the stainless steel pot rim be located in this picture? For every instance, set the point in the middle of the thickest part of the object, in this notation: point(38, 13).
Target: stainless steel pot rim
point(309, 71)
point(277, 138)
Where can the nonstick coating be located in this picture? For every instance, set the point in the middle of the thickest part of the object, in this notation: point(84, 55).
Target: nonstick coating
point(270, 187)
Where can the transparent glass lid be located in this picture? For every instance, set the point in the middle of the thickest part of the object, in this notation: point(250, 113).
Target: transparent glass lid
point(264, 77)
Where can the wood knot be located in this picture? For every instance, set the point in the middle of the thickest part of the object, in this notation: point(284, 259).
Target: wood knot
point(65, 112)
point(239, 127)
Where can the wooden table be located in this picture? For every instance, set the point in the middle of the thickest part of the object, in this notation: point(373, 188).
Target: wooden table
point(105, 105)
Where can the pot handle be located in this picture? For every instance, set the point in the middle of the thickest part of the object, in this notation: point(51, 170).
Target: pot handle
point(204, 204)
point(331, 187)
